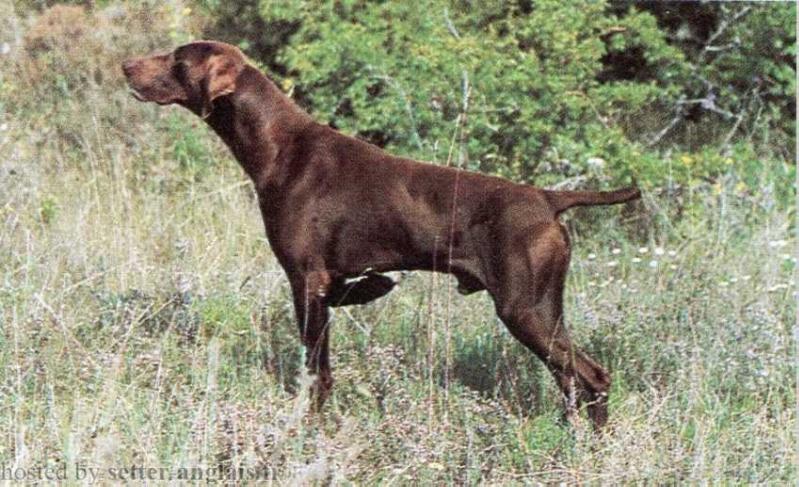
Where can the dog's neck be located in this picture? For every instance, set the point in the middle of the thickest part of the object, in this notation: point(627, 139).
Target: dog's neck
point(256, 122)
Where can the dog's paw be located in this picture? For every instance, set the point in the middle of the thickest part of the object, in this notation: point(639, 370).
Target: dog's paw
point(362, 291)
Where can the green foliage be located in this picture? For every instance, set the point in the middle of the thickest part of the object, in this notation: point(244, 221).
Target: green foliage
point(48, 210)
point(190, 145)
point(740, 76)
point(534, 90)
point(520, 85)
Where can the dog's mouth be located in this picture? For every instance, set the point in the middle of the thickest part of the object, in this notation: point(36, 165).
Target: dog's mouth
point(137, 95)
point(144, 98)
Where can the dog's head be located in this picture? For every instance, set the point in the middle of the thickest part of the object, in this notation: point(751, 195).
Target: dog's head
point(193, 75)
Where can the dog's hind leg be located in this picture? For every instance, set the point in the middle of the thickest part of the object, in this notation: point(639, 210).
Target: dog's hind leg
point(529, 301)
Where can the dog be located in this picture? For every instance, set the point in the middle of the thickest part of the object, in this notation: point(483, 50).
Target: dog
point(340, 212)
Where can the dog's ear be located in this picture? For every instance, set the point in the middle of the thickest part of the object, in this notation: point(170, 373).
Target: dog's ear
point(220, 80)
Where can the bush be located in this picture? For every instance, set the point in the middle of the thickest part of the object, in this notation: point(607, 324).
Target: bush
point(541, 90)
point(517, 85)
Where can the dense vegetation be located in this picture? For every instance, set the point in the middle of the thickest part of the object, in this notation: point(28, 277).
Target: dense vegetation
point(143, 320)
point(536, 90)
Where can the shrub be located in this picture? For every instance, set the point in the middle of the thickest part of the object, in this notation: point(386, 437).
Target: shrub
point(540, 90)
point(518, 85)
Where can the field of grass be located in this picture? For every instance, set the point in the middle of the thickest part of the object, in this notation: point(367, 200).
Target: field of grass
point(144, 322)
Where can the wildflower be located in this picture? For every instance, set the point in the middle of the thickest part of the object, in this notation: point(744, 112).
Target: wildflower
point(777, 244)
point(595, 163)
point(612, 263)
point(643, 250)
point(5, 48)
point(672, 253)
point(673, 267)
point(687, 160)
point(591, 256)
point(659, 251)
point(186, 11)
point(3, 127)
point(616, 251)
point(653, 263)
point(635, 260)
point(723, 284)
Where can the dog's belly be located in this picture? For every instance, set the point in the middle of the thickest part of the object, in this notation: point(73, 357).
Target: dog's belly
point(367, 253)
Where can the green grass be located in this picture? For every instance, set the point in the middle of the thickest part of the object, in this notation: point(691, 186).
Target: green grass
point(145, 322)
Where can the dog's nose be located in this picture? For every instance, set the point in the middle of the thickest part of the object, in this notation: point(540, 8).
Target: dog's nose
point(128, 66)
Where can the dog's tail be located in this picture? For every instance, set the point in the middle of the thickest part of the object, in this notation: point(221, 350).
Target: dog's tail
point(563, 200)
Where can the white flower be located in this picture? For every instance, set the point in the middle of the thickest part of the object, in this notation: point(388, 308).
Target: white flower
point(653, 263)
point(591, 256)
point(5, 48)
point(3, 127)
point(659, 251)
point(615, 251)
point(612, 263)
point(777, 244)
point(595, 163)
point(723, 284)
point(672, 253)
point(635, 260)
point(643, 250)
point(673, 267)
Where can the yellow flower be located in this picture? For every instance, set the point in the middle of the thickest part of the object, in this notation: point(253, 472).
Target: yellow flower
point(287, 84)
point(740, 187)
point(687, 160)
point(186, 11)
point(728, 161)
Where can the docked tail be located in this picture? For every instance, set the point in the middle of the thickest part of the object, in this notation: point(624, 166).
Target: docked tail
point(563, 200)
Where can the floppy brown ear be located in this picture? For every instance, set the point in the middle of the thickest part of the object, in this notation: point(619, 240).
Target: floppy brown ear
point(220, 80)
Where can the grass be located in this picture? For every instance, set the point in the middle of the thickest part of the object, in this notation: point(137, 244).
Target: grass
point(145, 323)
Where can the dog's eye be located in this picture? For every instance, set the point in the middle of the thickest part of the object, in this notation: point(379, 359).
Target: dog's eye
point(179, 70)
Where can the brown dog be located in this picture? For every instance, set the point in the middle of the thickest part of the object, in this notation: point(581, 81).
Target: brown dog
point(336, 208)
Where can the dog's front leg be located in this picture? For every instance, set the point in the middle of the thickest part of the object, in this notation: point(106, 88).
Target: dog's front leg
point(310, 303)
point(366, 289)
